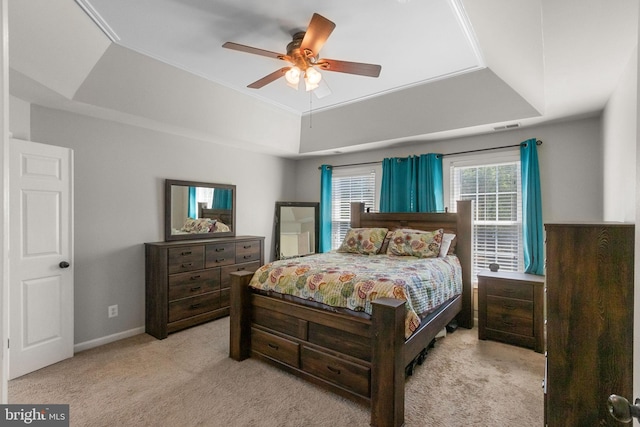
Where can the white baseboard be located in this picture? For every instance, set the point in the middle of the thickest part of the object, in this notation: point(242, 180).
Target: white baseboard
point(108, 339)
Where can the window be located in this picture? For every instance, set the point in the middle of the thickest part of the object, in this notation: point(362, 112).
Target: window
point(351, 185)
point(494, 184)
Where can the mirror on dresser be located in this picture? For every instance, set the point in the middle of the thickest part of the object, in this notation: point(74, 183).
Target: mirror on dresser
point(199, 210)
point(297, 227)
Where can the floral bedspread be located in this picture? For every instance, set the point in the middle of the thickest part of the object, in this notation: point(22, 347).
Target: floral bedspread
point(352, 281)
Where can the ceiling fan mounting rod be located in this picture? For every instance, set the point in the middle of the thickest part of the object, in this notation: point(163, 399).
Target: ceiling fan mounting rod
point(299, 58)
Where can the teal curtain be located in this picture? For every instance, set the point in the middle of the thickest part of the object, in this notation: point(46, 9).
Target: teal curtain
point(222, 198)
point(412, 184)
point(430, 193)
point(192, 210)
point(531, 208)
point(325, 209)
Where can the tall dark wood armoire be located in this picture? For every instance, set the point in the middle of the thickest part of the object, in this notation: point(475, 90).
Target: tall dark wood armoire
point(589, 321)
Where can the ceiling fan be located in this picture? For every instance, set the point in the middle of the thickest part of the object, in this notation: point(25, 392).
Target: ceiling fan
point(303, 55)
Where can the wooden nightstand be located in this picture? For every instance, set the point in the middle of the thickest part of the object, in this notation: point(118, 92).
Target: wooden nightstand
point(511, 308)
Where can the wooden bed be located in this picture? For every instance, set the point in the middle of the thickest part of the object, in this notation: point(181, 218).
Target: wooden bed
point(358, 358)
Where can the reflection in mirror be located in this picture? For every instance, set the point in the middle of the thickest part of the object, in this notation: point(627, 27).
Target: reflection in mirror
point(297, 229)
point(199, 210)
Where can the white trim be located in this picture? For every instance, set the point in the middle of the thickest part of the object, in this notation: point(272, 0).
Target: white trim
point(108, 339)
point(4, 185)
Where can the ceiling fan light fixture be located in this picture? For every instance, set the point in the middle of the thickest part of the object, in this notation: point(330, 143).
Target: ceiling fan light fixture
point(293, 77)
point(312, 78)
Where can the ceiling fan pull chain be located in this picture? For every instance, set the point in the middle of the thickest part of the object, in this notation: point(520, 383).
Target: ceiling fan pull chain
point(310, 109)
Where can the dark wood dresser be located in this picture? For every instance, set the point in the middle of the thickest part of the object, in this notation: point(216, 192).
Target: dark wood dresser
point(590, 269)
point(187, 282)
point(511, 308)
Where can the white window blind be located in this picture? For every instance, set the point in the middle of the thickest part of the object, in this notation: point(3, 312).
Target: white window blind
point(346, 187)
point(496, 191)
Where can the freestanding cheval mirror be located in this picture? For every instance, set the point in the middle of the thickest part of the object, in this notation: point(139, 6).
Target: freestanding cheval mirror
point(297, 228)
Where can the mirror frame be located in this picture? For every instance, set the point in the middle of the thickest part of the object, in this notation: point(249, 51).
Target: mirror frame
point(316, 219)
point(169, 183)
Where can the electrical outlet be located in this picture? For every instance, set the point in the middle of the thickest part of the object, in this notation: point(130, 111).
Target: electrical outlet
point(113, 310)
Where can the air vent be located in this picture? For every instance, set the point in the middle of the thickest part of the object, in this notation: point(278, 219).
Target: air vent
point(509, 126)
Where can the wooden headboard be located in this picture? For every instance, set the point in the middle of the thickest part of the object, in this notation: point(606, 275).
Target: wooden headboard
point(222, 215)
point(460, 223)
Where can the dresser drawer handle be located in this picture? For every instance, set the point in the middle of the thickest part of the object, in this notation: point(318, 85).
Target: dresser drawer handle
point(247, 257)
point(187, 264)
point(220, 259)
point(508, 323)
point(334, 370)
point(194, 306)
point(240, 268)
point(219, 249)
point(186, 253)
point(273, 346)
point(247, 246)
point(195, 288)
point(195, 277)
point(509, 307)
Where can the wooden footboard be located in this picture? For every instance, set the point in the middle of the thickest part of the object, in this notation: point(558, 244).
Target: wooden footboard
point(363, 360)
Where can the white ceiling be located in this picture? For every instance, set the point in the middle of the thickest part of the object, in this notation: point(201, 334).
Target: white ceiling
point(405, 38)
point(449, 67)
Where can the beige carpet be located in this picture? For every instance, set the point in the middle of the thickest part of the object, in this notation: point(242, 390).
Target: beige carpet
point(188, 380)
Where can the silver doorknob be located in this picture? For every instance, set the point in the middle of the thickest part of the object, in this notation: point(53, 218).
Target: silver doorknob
point(64, 264)
point(622, 410)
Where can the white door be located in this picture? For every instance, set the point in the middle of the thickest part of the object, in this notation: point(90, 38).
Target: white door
point(40, 256)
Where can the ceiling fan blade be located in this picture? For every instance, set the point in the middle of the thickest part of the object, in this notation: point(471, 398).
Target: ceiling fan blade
point(254, 50)
point(360, 68)
point(268, 78)
point(319, 30)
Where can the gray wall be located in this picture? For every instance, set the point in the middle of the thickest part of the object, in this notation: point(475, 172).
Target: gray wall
point(120, 171)
point(571, 168)
point(119, 204)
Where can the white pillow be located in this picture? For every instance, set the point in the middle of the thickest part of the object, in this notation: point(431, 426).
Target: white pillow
point(447, 238)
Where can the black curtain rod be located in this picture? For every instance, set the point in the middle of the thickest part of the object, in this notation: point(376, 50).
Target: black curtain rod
point(538, 142)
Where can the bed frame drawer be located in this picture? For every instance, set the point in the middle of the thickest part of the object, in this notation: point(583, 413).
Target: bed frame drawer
point(185, 285)
point(187, 258)
point(275, 347)
point(351, 376)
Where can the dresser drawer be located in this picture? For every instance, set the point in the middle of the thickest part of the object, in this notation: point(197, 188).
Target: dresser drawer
point(220, 254)
point(510, 290)
point(510, 324)
point(185, 285)
point(225, 279)
point(275, 347)
point(185, 258)
point(187, 307)
point(248, 251)
point(510, 307)
point(354, 377)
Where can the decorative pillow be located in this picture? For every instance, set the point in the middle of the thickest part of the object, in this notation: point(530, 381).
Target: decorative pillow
point(422, 244)
point(447, 238)
point(200, 225)
point(385, 243)
point(363, 240)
